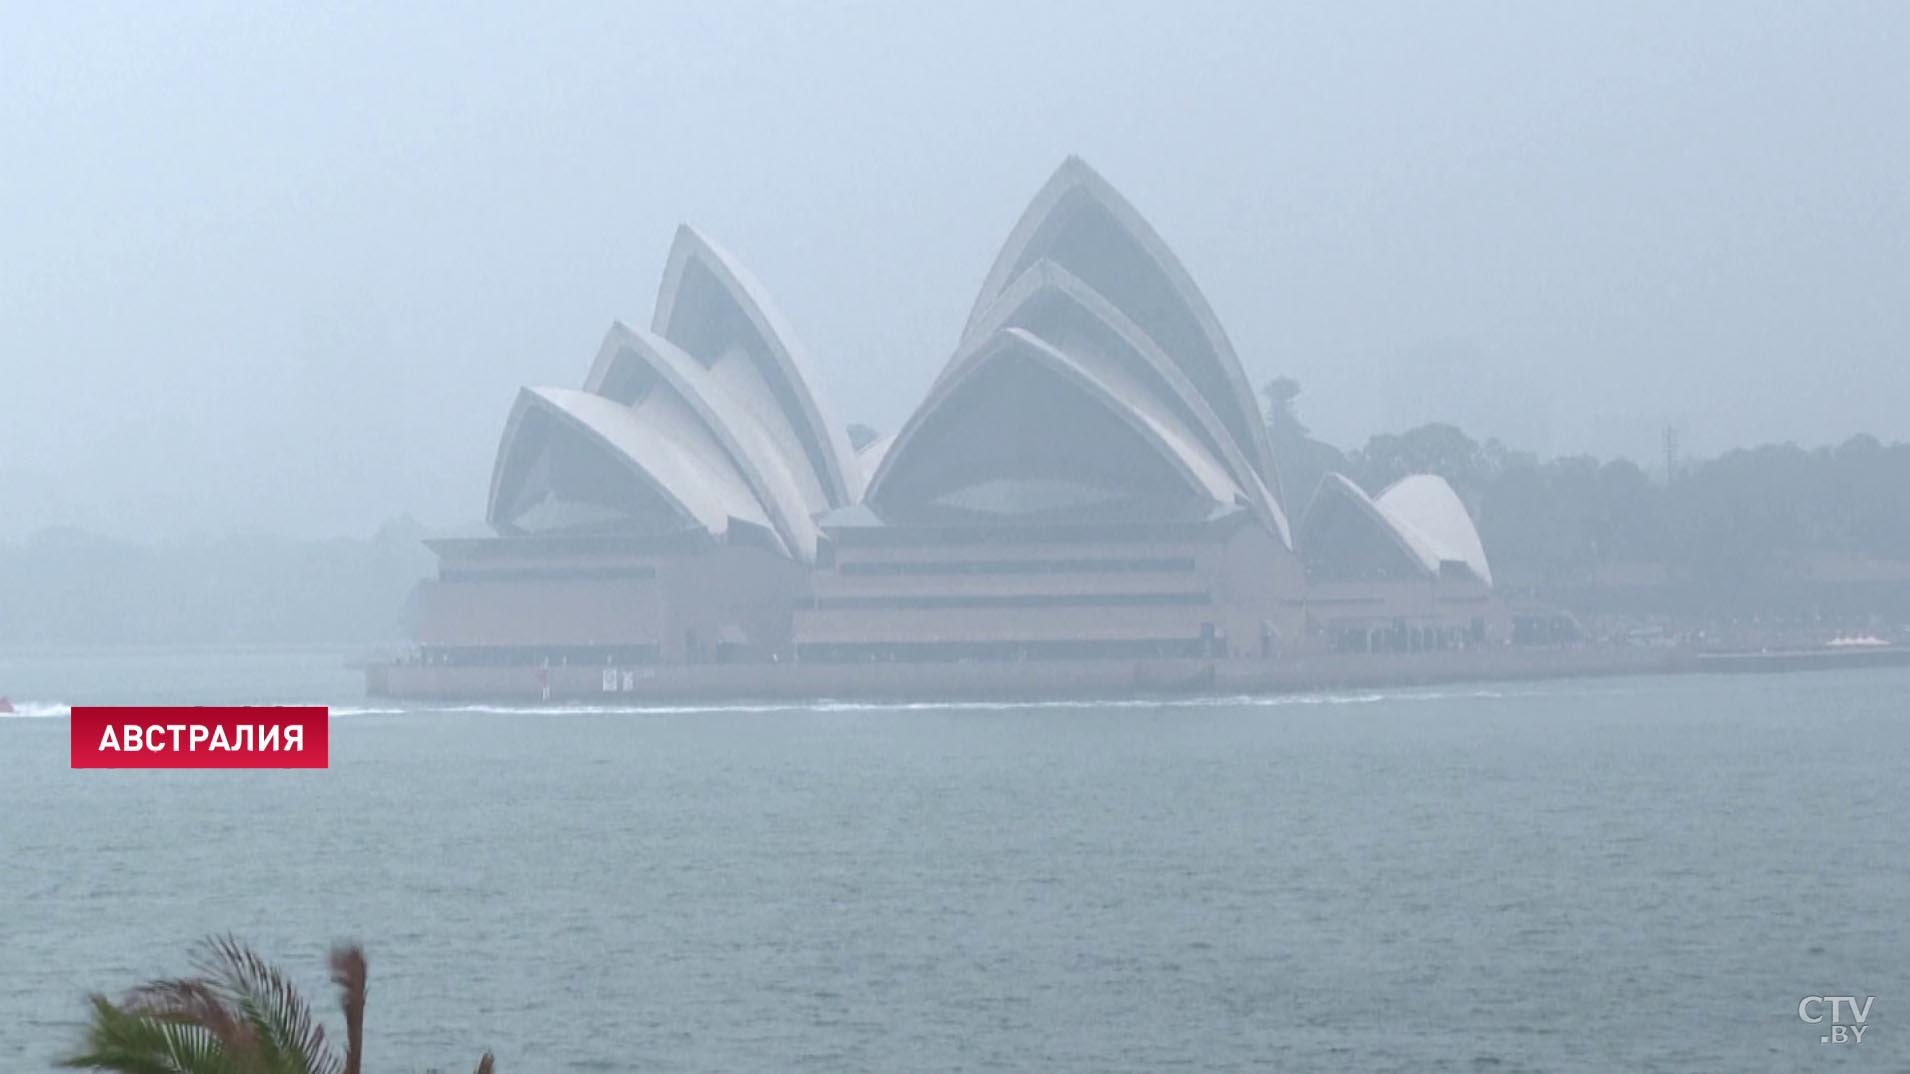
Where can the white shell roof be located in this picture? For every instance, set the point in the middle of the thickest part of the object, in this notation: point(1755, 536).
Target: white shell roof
point(1419, 548)
point(1427, 505)
point(1075, 185)
point(1046, 281)
point(659, 440)
point(728, 423)
point(1142, 411)
point(745, 444)
point(823, 440)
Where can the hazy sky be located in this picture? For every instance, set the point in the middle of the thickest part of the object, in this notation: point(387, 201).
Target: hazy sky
point(283, 267)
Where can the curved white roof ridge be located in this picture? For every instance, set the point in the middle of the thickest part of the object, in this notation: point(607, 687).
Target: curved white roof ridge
point(1076, 179)
point(751, 450)
point(1200, 471)
point(684, 477)
point(1045, 278)
point(1144, 414)
point(1417, 546)
point(816, 423)
point(1429, 505)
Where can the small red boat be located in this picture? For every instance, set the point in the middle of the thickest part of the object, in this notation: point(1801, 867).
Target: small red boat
point(5, 706)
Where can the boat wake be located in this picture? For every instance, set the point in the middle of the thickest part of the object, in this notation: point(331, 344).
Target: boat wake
point(29, 710)
point(50, 709)
point(830, 706)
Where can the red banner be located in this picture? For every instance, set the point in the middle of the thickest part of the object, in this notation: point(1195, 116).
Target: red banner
point(174, 737)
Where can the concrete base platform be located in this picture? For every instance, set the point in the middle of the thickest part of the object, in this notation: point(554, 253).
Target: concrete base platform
point(1005, 680)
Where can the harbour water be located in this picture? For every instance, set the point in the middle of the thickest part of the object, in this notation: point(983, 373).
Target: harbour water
point(1637, 874)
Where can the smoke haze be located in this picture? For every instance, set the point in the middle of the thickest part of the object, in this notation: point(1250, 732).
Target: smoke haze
point(283, 269)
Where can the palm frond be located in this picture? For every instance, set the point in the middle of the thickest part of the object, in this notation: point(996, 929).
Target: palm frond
point(125, 1042)
point(289, 1039)
point(349, 974)
point(193, 1001)
point(237, 1015)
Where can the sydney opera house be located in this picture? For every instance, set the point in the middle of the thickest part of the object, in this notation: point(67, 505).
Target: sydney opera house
point(1086, 487)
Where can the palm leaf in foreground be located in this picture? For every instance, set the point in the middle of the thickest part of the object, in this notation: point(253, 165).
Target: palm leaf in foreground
point(238, 1015)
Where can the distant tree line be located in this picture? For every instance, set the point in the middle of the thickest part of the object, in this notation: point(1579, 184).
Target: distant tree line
point(68, 586)
point(1748, 517)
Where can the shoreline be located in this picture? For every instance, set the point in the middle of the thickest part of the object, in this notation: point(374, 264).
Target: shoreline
point(1078, 679)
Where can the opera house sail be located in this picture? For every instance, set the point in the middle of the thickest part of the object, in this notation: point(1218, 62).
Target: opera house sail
point(1086, 482)
point(1403, 570)
point(665, 512)
point(1086, 478)
point(1081, 223)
